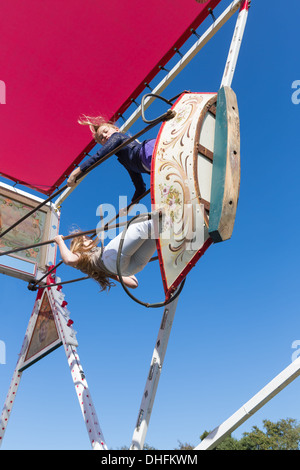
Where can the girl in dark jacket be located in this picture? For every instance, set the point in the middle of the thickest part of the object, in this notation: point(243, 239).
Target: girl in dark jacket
point(135, 157)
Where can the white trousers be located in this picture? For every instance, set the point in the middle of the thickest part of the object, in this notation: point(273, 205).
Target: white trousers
point(138, 248)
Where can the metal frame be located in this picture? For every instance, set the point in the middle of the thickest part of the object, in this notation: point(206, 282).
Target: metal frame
point(192, 52)
point(68, 340)
point(235, 44)
point(51, 229)
point(159, 352)
point(81, 387)
point(83, 394)
point(185, 60)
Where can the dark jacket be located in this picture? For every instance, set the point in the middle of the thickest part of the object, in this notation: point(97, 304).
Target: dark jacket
point(128, 156)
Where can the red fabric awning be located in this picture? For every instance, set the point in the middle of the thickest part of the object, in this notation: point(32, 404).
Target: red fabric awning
point(61, 59)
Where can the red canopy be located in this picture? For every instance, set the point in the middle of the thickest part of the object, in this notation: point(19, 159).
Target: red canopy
point(61, 59)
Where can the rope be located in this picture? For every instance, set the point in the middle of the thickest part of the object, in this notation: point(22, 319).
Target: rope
point(58, 283)
point(66, 237)
point(148, 305)
point(164, 117)
point(32, 286)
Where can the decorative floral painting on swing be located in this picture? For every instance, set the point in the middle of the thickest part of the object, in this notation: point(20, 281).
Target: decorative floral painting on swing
point(45, 331)
point(28, 232)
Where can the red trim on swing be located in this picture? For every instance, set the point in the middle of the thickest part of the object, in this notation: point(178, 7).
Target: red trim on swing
point(188, 267)
point(152, 182)
point(245, 5)
point(170, 289)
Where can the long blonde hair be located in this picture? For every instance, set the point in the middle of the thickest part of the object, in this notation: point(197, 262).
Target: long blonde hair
point(85, 265)
point(94, 123)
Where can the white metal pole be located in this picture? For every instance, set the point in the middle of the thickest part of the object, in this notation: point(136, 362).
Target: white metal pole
point(235, 44)
point(15, 382)
point(283, 379)
point(53, 231)
point(185, 60)
point(81, 387)
point(144, 414)
point(10, 398)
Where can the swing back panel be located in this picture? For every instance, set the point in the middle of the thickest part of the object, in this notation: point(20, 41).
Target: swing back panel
point(226, 169)
point(189, 184)
point(26, 264)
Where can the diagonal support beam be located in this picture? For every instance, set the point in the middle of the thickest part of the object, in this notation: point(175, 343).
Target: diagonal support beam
point(186, 59)
point(159, 352)
point(281, 381)
point(235, 44)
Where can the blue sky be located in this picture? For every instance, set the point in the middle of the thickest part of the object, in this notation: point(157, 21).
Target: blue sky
point(238, 315)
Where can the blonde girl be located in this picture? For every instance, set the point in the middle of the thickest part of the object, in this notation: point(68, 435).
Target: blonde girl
point(101, 263)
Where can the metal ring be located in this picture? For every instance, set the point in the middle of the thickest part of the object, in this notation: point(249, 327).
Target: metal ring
point(143, 107)
point(148, 305)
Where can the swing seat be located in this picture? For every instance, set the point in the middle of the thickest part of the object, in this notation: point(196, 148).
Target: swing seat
point(195, 176)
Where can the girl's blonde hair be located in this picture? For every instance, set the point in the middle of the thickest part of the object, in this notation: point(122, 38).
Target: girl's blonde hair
point(85, 265)
point(94, 123)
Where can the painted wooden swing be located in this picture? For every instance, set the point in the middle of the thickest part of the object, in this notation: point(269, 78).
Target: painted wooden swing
point(196, 178)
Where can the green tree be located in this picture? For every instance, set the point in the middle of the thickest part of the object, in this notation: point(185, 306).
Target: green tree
point(282, 435)
point(184, 446)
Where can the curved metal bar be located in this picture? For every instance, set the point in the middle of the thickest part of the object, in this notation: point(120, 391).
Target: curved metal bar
point(169, 102)
point(33, 287)
point(145, 304)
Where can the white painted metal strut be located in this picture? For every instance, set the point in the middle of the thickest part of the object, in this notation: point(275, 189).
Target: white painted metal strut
point(283, 379)
point(235, 45)
point(159, 352)
point(81, 387)
point(68, 338)
point(15, 382)
point(185, 60)
point(10, 398)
